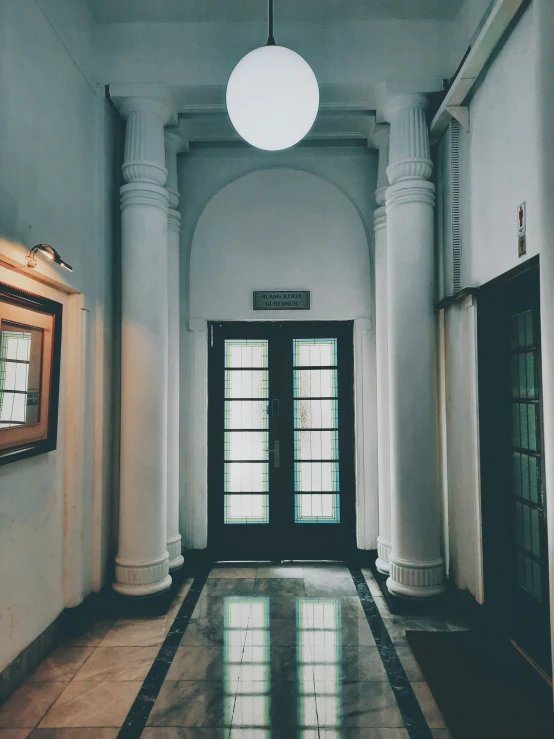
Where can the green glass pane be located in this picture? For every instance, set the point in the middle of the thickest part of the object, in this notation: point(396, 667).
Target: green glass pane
point(247, 353)
point(311, 445)
point(533, 427)
point(246, 509)
point(529, 333)
point(514, 364)
point(246, 414)
point(312, 477)
point(535, 532)
point(522, 384)
point(317, 508)
point(246, 384)
point(246, 445)
point(524, 426)
point(315, 383)
point(534, 479)
point(530, 374)
point(315, 414)
point(525, 476)
point(527, 539)
point(246, 477)
point(315, 352)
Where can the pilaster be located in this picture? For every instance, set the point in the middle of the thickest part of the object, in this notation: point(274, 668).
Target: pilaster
point(173, 145)
point(381, 140)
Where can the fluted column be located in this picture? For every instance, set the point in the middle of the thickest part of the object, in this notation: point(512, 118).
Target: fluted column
point(173, 144)
point(416, 566)
point(142, 562)
point(381, 141)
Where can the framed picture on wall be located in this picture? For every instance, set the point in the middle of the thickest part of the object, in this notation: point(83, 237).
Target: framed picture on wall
point(30, 343)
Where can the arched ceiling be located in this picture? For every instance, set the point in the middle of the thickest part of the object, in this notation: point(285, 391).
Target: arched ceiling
point(287, 11)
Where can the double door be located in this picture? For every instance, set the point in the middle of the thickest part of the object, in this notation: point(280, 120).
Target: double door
point(281, 442)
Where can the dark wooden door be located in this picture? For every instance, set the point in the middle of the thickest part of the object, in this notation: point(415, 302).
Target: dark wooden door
point(281, 443)
point(514, 504)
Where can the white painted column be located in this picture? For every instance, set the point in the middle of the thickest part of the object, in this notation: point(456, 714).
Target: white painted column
point(142, 562)
point(173, 145)
point(416, 567)
point(381, 141)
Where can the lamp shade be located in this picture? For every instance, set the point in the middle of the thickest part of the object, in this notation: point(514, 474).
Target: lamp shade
point(272, 98)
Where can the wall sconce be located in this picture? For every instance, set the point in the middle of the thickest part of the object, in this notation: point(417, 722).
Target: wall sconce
point(49, 252)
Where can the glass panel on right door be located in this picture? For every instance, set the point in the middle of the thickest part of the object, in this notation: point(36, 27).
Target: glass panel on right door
point(316, 431)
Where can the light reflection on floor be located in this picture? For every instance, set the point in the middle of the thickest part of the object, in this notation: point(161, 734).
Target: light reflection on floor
point(247, 667)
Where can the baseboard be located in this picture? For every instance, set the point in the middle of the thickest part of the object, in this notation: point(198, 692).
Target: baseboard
point(29, 659)
point(106, 605)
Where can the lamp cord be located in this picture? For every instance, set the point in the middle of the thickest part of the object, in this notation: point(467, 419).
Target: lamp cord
point(270, 37)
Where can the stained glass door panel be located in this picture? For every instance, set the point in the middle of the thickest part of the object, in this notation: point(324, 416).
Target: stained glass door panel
point(281, 442)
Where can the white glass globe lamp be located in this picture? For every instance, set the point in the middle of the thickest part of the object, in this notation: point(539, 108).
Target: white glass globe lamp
point(272, 97)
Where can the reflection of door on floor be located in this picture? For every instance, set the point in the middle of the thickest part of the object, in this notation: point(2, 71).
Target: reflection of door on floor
point(247, 665)
point(514, 505)
point(281, 447)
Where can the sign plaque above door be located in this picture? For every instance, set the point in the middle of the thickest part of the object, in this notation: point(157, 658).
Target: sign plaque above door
point(281, 300)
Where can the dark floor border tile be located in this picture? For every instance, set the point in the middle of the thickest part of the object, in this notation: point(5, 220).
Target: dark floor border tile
point(139, 712)
point(414, 720)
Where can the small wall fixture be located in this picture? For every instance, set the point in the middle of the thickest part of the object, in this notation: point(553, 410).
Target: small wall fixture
point(49, 252)
point(272, 96)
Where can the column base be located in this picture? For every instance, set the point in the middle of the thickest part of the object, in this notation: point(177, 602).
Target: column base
point(176, 559)
point(416, 579)
point(139, 579)
point(383, 553)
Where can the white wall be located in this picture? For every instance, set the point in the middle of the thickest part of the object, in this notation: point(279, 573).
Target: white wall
point(499, 160)
point(57, 154)
point(300, 220)
point(357, 54)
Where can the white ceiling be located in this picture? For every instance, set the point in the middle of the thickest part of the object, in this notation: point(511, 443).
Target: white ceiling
point(314, 11)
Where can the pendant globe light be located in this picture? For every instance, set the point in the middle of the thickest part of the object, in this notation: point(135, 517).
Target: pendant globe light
point(272, 96)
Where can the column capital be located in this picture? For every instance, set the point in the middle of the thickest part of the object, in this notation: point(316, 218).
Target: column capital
point(155, 99)
point(410, 153)
point(148, 106)
point(400, 102)
point(146, 113)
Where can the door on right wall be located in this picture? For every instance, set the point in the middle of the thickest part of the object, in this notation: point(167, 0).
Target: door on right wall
point(513, 483)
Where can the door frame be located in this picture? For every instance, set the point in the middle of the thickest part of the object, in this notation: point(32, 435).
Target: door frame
point(496, 471)
point(348, 451)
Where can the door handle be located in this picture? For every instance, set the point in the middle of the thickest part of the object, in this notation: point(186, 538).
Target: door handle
point(275, 451)
point(275, 407)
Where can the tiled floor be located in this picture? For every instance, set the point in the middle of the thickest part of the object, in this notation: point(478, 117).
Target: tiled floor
point(271, 652)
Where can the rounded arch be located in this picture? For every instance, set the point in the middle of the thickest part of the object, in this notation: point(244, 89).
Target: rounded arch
point(280, 227)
